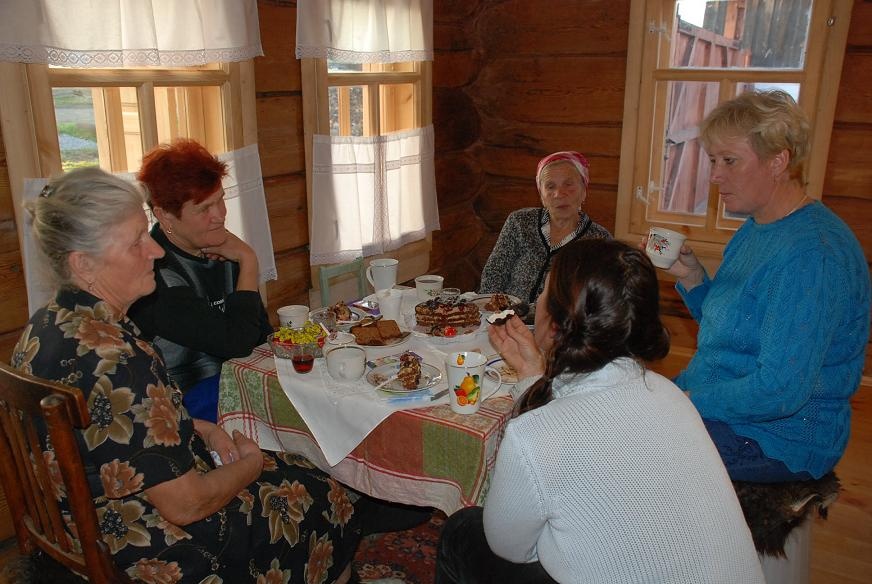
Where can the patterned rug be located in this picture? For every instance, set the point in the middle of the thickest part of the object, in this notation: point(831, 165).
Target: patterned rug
point(401, 556)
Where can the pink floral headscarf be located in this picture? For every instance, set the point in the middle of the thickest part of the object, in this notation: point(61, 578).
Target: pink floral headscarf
point(578, 161)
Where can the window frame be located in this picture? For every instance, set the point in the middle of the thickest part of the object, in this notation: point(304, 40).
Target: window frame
point(819, 79)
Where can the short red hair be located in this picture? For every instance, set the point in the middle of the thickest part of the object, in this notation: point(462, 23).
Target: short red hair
point(180, 172)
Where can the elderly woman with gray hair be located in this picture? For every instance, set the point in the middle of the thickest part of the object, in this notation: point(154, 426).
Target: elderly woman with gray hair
point(169, 510)
point(530, 237)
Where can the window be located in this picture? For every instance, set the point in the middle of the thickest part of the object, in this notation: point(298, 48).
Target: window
point(686, 56)
point(372, 99)
point(110, 117)
point(368, 100)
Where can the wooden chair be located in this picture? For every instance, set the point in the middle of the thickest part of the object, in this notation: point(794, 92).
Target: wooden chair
point(327, 272)
point(27, 404)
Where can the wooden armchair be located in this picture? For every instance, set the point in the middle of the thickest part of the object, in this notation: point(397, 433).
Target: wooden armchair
point(26, 404)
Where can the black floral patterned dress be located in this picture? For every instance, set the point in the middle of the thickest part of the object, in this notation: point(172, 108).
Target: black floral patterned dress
point(294, 524)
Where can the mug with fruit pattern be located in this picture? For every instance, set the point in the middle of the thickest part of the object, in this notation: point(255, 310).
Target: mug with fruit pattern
point(466, 380)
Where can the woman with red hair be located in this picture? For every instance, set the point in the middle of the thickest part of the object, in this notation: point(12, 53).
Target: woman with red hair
point(206, 308)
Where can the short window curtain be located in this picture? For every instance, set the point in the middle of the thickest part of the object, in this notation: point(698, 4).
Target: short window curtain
point(365, 31)
point(128, 33)
point(371, 194)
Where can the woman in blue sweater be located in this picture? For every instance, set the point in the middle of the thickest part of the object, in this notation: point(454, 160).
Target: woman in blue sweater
point(783, 325)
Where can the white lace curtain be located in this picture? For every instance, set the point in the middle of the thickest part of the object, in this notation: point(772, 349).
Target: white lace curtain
point(372, 194)
point(128, 33)
point(365, 31)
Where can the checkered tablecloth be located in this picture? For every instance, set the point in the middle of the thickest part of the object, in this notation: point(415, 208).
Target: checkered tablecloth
point(427, 456)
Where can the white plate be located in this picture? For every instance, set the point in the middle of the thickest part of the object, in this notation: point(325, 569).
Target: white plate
point(483, 299)
point(430, 376)
point(344, 325)
point(508, 373)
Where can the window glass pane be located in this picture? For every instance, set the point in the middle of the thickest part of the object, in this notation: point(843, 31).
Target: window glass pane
point(685, 171)
point(347, 110)
point(76, 126)
point(336, 67)
point(741, 33)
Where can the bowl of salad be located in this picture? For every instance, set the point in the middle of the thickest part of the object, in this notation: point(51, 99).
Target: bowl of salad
point(285, 338)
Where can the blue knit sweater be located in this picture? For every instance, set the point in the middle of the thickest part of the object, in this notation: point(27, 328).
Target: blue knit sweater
point(782, 337)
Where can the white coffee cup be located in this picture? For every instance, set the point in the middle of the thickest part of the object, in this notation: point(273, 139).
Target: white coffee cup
point(294, 315)
point(389, 303)
point(382, 273)
point(466, 371)
point(428, 286)
point(346, 363)
point(664, 246)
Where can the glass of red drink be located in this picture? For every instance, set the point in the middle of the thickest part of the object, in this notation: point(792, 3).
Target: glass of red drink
point(303, 357)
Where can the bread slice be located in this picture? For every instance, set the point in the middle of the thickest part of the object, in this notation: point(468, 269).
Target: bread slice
point(388, 329)
point(367, 335)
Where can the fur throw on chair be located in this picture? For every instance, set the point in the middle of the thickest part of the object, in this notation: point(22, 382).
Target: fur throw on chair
point(773, 510)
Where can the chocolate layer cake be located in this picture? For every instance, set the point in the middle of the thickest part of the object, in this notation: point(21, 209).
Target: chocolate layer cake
point(438, 313)
point(409, 373)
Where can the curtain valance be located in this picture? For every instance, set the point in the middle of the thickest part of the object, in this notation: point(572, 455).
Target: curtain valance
point(365, 31)
point(128, 33)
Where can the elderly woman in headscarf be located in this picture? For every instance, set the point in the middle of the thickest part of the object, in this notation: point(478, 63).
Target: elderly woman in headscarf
point(530, 237)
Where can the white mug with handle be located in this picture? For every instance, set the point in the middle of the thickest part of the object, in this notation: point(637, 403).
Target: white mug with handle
point(466, 371)
point(382, 273)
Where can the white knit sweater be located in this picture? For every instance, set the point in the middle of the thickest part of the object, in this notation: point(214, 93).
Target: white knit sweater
point(616, 480)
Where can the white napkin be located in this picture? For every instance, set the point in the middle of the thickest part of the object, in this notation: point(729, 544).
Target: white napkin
point(341, 415)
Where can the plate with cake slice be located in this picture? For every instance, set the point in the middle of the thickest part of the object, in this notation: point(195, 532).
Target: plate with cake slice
point(409, 375)
point(343, 315)
point(495, 302)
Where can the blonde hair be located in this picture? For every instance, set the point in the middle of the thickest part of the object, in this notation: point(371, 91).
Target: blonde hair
point(75, 212)
point(770, 120)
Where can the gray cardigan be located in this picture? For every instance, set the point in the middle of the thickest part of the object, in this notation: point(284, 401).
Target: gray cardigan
point(522, 256)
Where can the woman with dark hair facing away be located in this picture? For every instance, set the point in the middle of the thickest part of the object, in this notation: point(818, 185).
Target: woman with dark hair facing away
point(606, 473)
point(206, 307)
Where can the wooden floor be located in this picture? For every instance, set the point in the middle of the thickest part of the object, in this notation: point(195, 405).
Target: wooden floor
point(841, 550)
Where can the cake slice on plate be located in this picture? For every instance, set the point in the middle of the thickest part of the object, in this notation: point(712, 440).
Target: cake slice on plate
point(409, 373)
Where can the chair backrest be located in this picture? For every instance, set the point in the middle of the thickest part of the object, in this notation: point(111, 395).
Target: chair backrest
point(328, 272)
point(28, 407)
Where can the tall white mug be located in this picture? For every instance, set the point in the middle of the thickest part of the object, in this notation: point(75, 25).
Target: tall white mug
point(382, 273)
point(466, 371)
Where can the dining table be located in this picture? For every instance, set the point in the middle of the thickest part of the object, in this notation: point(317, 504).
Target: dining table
point(416, 452)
